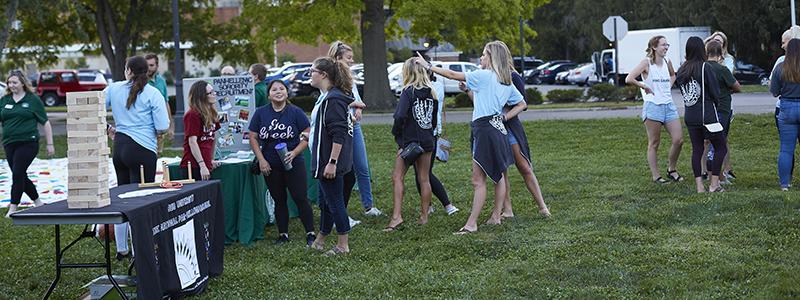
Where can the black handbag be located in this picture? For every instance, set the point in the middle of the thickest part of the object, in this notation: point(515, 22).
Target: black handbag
point(255, 168)
point(411, 152)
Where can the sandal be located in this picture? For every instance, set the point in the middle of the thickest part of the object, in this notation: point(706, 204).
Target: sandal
point(394, 228)
point(464, 231)
point(676, 179)
point(315, 246)
point(335, 251)
point(719, 189)
point(661, 180)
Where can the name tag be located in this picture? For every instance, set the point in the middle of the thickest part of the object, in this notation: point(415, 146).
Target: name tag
point(25, 105)
point(9, 106)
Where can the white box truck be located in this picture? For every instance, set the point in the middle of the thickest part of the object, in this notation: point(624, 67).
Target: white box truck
point(632, 50)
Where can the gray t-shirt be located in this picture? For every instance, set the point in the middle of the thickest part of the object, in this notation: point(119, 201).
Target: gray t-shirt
point(783, 89)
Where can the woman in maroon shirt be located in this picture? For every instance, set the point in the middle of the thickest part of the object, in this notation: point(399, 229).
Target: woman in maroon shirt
point(200, 123)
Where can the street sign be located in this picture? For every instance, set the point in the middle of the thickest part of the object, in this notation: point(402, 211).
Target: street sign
point(609, 28)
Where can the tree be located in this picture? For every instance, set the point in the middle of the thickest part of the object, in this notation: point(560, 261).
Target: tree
point(120, 28)
point(8, 17)
point(465, 24)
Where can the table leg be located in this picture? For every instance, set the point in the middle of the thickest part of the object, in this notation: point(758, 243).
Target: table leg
point(58, 263)
point(108, 265)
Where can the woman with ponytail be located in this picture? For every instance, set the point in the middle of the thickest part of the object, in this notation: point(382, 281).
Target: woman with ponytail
point(343, 53)
point(331, 143)
point(140, 115)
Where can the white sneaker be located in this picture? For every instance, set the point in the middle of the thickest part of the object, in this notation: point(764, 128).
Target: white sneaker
point(451, 210)
point(431, 209)
point(374, 212)
point(354, 222)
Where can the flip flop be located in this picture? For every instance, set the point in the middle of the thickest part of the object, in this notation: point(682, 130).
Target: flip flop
point(394, 228)
point(661, 180)
point(464, 231)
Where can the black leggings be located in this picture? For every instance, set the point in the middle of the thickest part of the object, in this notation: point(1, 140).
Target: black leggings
point(698, 134)
point(278, 181)
point(20, 155)
point(436, 186)
point(128, 157)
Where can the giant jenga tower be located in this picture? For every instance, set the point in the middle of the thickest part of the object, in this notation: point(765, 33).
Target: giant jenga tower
point(87, 147)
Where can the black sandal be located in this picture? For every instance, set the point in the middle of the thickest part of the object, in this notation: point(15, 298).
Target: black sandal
point(676, 179)
point(661, 180)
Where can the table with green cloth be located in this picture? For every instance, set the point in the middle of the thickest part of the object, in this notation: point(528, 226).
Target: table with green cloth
point(247, 199)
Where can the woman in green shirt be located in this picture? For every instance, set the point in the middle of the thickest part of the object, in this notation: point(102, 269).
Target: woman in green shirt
point(20, 111)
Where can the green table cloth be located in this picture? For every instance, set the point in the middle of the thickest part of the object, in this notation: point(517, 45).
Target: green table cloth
point(247, 202)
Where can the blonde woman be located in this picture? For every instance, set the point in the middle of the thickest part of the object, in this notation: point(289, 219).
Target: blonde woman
point(726, 59)
point(414, 121)
point(658, 109)
point(492, 89)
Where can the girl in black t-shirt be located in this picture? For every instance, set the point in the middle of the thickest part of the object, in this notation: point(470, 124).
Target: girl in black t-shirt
point(414, 121)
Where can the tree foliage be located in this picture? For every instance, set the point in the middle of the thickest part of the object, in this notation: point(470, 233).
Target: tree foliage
point(116, 29)
point(572, 29)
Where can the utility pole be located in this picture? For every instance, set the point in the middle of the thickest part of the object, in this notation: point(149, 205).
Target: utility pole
point(179, 109)
point(521, 48)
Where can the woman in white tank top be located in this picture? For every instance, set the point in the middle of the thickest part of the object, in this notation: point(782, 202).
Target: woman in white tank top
point(658, 109)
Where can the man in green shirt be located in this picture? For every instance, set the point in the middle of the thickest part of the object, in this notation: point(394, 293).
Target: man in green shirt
point(259, 72)
point(160, 84)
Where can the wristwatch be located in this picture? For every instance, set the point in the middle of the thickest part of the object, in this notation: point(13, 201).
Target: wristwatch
point(332, 161)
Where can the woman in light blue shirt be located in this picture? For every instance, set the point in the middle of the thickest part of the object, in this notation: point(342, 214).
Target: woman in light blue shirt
point(140, 115)
point(492, 89)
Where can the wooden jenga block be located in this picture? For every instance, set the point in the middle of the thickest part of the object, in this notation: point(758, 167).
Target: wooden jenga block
point(96, 141)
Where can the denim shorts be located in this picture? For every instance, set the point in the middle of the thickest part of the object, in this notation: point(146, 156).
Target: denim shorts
point(662, 113)
point(512, 140)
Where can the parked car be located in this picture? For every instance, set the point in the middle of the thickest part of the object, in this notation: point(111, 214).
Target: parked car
point(532, 76)
point(94, 75)
point(55, 84)
point(2, 88)
point(548, 75)
point(750, 74)
point(583, 75)
point(561, 77)
point(530, 63)
point(301, 84)
point(287, 69)
point(450, 86)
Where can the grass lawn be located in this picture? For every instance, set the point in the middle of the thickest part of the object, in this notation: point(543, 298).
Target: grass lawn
point(613, 234)
point(755, 88)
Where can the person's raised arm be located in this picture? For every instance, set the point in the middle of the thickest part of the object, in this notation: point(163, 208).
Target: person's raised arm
point(441, 71)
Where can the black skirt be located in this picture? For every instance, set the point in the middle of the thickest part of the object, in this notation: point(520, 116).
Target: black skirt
point(490, 148)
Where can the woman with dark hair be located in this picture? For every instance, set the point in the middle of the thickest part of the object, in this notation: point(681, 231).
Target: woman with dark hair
point(332, 148)
point(140, 114)
point(786, 86)
point(727, 86)
point(700, 91)
point(791, 33)
point(199, 125)
point(658, 109)
point(281, 127)
point(20, 112)
point(360, 173)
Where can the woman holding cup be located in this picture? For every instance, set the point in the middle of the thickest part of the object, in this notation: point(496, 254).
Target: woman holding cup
point(278, 136)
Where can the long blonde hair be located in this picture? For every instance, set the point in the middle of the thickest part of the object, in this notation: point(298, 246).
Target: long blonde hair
point(414, 75)
point(724, 41)
point(500, 61)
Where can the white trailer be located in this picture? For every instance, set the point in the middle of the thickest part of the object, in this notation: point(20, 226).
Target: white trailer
point(632, 50)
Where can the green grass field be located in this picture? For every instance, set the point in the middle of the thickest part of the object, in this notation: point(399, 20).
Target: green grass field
point(613, 234)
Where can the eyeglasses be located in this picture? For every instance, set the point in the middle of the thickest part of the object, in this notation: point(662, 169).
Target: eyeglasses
point(211, 93)
point(312, 70)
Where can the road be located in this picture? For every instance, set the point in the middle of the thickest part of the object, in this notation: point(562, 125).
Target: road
point(751, 103)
